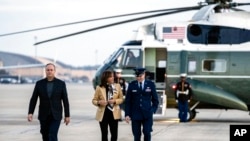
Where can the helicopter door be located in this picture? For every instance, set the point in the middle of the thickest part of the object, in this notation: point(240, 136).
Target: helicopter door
point(155, 64)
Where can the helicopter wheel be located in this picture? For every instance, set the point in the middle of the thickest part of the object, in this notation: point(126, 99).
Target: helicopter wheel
point(191, 114)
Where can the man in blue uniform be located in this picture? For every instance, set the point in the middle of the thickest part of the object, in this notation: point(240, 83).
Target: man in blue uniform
point(183, 95)
point(140, 104)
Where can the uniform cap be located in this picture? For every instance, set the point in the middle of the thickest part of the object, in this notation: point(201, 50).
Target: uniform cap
point(139, 71)
point(118, 70)
point(183, 75)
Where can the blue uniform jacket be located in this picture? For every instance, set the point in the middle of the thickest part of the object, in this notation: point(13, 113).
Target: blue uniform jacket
point(141, 104)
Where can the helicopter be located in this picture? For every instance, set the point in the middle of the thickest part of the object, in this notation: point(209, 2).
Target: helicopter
point(212, 48)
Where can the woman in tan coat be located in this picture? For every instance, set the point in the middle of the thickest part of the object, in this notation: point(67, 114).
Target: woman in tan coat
point(108, 97)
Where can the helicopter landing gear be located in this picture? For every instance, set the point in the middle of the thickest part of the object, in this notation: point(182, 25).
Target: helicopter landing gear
point(192, 112)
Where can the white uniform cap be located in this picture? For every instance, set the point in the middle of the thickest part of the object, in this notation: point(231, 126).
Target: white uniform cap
point(183, 75)
point(118, 70)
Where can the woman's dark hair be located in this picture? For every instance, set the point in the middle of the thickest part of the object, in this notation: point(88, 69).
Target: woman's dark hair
point(105, 75)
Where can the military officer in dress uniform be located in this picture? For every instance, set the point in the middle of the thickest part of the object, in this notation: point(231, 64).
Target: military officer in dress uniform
point(183, 95)
point(140, 104)
point(118, 79)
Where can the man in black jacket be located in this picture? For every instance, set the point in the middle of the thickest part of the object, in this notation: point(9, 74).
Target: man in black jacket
point(51, 92)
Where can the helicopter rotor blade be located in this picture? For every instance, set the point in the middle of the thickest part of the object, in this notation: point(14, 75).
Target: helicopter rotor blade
point(116, 16)
point(237, 9)
point(242, 4)
point(95, 19)
point(118, 23)
point(233, 5)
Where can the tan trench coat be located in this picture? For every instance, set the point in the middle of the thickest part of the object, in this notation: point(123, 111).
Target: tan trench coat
point(100, 94)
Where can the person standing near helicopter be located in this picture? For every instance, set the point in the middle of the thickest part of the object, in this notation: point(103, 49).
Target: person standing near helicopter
point(119, 80)
point(107, 98)
point(183, 94)
point(141, 103)
point(53, 100)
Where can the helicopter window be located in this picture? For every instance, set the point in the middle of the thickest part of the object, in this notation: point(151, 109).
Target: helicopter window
point(162, 64)
point(210, 34)
point(195, 30)
point(119, 59)
point(216, 65)
point(132, 58)
point(191, 66)
point(114, 56)
point(213, 35)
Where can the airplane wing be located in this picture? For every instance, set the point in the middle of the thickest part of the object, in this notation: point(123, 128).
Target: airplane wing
point(22, 66)
point(211, 94)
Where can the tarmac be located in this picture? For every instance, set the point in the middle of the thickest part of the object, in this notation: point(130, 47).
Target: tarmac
point(209, 124)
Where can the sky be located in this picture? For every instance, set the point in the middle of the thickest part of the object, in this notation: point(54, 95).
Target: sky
point(90, 48)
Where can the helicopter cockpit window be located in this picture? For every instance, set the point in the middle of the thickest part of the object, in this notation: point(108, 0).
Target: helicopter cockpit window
point(119, 61)
point(114, 56)
point(217, 65)
point(132, 58)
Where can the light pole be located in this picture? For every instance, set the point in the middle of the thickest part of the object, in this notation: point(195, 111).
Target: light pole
point(96, 57)
point(35, 39)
